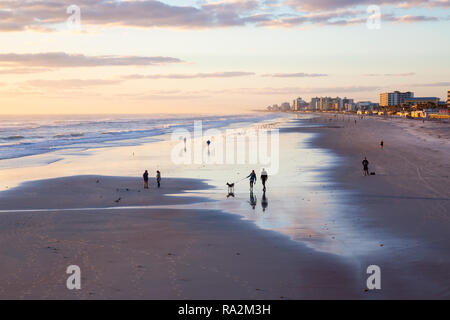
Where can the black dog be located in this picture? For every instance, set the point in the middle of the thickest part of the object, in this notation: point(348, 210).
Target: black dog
point(230, 188)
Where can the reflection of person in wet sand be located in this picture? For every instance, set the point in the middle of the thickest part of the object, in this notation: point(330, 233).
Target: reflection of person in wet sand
point(253, 201)
point(264, 202)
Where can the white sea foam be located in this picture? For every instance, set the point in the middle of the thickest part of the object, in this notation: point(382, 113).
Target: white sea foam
point(23, 136)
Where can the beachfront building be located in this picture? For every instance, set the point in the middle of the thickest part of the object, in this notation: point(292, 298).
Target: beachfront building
point(350, 106)
point(326, 103)
point(395, 98)
point(314, 104)
point(423, 102)
point(338, 104)
point(299, 104)
point(366, 105)
point(285, 106)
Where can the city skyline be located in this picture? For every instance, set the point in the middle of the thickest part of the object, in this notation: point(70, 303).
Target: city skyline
point(227, 56)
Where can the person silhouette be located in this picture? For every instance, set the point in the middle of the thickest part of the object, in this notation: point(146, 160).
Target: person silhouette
point(365, 164)
point(264, 177)
point(264, 202)
point(252, 177)
point(253, 201)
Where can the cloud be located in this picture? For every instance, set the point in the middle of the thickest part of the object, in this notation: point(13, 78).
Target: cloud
point(24, 70)
point(164, 95)
point(405, 74)
point(317, 5)
point(50, 15)
point(294, 75)
point(298, 90)
point(433, 84)
point(70, 83)
point(190, 76)
point(409, 19)
point(66, 60)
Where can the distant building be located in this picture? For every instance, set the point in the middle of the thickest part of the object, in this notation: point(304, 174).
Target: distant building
point(299, 104)
point(326, 103)
point(348, 104)
point(315, 104)
point(285, 106)
point(366, 105)
point(423, 101)
point(395, 98)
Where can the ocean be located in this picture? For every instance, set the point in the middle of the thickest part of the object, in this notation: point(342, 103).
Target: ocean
point(23, 136)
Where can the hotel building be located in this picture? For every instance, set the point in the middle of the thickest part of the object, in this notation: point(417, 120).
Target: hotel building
point(395, 98)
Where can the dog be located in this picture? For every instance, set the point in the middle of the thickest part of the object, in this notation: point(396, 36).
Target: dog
point(230, 188)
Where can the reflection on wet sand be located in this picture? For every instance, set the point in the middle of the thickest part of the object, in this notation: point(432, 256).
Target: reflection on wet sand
point(253, 200)
point(264, 202)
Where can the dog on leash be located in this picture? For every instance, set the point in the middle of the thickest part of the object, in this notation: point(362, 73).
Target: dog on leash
point(230, 188)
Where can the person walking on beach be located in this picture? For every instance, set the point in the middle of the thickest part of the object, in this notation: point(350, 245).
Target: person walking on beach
point(145, 179)
point(158, 178)
point(264, 177)
point(252, 177)
point(381, 144)
point(365, 164)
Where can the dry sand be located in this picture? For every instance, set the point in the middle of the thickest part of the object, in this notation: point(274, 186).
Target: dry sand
point(407, 200)
point(167, 253)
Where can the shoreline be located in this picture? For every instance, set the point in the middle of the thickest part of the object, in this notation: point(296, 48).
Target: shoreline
point(405, 205)
point(375, 220)
point(159, 254)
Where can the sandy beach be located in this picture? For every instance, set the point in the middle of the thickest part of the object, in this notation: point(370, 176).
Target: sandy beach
point(408, 198)
point(152, 253)
point(322, 228)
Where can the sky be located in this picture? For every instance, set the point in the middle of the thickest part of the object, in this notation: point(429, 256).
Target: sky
point(215, 56)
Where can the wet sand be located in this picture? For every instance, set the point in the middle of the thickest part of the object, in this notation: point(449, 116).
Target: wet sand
point(341, 222)
point(151, 253)
point(406, 205)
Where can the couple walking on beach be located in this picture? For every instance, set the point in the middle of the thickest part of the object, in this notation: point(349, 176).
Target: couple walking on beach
point(264, 177)
point(158, 179)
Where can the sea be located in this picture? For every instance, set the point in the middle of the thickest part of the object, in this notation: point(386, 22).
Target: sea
point(24, 136)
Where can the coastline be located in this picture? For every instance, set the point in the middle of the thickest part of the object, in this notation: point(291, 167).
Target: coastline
point(195, 246)
point(405, 205)
point(157, 254)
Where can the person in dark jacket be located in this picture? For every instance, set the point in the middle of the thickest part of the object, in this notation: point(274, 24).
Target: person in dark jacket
point(145, 179)
point(252, 177)
point(365, 164)
point(158, 178)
